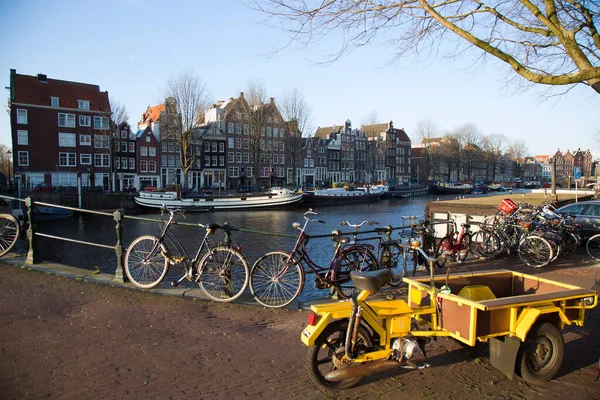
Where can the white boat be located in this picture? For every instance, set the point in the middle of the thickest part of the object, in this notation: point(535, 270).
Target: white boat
point(277, 197)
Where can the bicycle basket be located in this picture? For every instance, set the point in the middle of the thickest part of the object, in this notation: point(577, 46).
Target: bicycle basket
point(507, 207)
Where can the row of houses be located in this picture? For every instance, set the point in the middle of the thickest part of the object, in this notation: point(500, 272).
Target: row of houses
point(62, 133)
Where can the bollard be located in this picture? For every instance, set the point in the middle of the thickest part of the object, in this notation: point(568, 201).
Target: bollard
point(119, 275)
point(32, 256)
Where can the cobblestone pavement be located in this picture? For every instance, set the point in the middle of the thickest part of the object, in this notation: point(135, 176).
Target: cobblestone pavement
point(64, 338)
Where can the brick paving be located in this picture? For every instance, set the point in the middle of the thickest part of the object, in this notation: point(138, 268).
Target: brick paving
point(64, 338)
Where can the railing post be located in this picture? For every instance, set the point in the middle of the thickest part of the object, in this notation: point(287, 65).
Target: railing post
point(32, 256)
point(119, 275)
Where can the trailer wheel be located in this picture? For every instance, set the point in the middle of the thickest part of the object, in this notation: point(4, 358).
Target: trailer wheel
point(541, 355)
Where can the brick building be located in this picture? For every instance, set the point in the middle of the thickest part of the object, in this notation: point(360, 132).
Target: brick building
point(60, 131)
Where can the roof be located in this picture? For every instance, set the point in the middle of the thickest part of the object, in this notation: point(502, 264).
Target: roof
point(37, 90)
point(418, 152)
point(375, 128)
point(324, 132)
point(152, 114)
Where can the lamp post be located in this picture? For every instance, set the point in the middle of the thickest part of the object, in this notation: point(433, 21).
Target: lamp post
point(9, 154)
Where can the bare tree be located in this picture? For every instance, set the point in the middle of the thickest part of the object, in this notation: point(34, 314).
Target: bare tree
point(298, 117)
point(493, 146)
point(554, 42)
point(118, 112)
point(376, 145)
point(518, 150)
point(187, 98)
point(471, 152)
point(426, 131)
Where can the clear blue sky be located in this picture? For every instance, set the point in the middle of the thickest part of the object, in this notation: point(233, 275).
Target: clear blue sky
point(131, 48)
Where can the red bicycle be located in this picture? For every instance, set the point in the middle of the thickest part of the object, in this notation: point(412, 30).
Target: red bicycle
point(455, 244)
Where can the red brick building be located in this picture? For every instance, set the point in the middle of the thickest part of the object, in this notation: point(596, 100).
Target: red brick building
point(60, 131)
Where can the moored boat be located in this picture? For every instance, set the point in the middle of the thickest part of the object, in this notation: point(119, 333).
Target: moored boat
point(45, 213)
point(277, 197)
point(406, 191)
point(339, 196)
point(453, 188)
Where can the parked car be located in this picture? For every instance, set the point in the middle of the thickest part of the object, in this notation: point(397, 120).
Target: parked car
point(43, 187)
point(586, 213)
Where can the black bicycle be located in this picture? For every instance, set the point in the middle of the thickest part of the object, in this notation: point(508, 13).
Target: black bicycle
point(220, 270)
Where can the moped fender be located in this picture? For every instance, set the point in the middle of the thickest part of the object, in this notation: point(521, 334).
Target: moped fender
point(312, 332)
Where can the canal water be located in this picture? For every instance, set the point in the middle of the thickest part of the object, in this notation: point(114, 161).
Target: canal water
point(268, 224)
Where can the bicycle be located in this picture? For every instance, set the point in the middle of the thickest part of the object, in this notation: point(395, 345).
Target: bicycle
point(456, 244)
point(10, 229)
point(220, 270)
point(592, 247)
point(277, 278)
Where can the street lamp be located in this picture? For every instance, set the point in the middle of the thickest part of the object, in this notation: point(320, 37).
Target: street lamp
point(9, 154)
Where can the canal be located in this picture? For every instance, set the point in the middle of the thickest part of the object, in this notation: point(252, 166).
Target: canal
point(101, 229)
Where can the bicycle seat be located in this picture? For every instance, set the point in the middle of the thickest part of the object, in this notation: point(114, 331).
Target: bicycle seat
point(212, 228)
point(371, 280)
point(340, 239)
point(466, 225)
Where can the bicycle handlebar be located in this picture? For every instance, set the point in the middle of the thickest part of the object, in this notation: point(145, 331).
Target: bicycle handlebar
point(356, 226)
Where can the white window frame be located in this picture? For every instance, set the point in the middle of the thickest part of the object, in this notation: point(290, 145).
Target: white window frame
point(22, 119)
point(143, 151)
point(23, 158)
point(68, 120)
point(83, 104)
point(66, 159)
point(85, 120)
point(67, 139)
point(144, 166)
point(151, 166)
point(101, 142)
point(22, 137)
point(152, 151)
point(234, 172)
point(54, 101)
point(131, 163)
point(117, 163)
point(102, 160)
point(131, 146)
point(85, 140)
point(84, 157)
point(101, 123)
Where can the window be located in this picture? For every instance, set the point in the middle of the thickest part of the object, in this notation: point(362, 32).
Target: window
point(67, 159)
point(279, 171)
point(123, 162)
point(123, 147)
point(221, 147)
point(246, 143)
point(117, 163)
point(23, 158)
point(23, 137)
point(102, 160)
point(238, 128)
point(246, 157)
point(206, 146)
point(221, 161)
point(214, 160)
point(124, 133)
point(234, 172)
point(230, 156)
point(144, 166)
point(238, 143)
point(83, 104)
point(131, 163)
point(275, 132)
point(152, 151)
point(54, 102)
point(207, 160)
point(265, 172)
point(66, 120)
point(312, 163)
point(148, 139)
point(85, 120)
point(230, 143)
point(116, 145)
point(22, 119)
point(151, 166)
point(85, 159)
point(249, 171)
point(143, 151)
point(85, 140)
point(101, 123)
point(66, 140)
point(101, 142)
point(268, 131)
point(230, 127)
point(275, 158)
point(214, 147)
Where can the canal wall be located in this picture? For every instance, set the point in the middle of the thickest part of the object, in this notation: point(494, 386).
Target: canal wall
point(89, 201)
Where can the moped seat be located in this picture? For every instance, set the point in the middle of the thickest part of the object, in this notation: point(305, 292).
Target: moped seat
point(371, 280)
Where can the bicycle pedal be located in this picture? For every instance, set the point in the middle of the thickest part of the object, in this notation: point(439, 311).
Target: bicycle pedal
point(174, 283)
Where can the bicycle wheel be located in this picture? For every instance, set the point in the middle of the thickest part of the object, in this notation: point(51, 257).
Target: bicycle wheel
point(145, 264)
point(593, 247)
point(9, 233)
point(223, 274)
point(485, 244)
point(390, 258)
point(535, 251)
point(572, 242)
point(273, 282)
point(351, 260)
point(445, 245)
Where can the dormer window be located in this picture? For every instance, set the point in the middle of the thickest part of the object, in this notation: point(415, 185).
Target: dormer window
point(83, 104)
point(54, 102)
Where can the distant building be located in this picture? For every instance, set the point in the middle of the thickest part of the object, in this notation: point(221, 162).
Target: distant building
point(60, 131)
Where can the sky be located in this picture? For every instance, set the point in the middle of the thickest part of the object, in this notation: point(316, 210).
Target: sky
point(131, 48)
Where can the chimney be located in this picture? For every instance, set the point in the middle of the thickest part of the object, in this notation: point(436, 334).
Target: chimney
point(231, 99)
point(271, 100)
point(42, 78)
point(241, 95)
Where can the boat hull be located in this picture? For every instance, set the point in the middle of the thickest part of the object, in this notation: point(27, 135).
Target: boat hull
point(405, 193)
point(452, 190)
point(43, 213)
point(316, 199)
point(202, 204)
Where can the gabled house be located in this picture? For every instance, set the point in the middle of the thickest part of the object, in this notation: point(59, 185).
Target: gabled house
point(60, 131)
point(147, 158)
point(124, 158)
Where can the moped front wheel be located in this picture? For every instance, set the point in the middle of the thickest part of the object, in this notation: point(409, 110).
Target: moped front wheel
point(325, 355)
point(275, 282)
